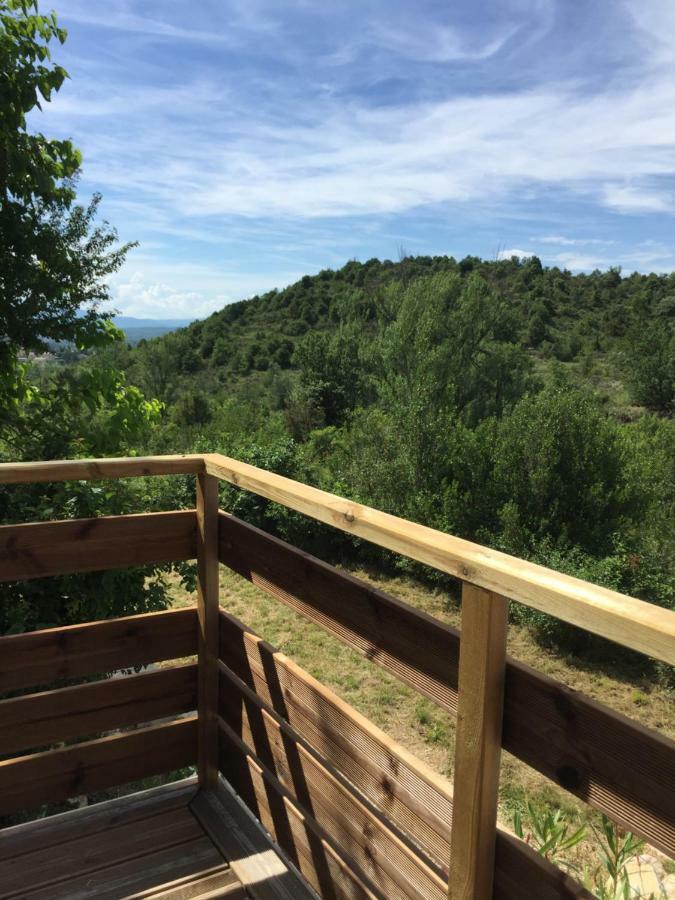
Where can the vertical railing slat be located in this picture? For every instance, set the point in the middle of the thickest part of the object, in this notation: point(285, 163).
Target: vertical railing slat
point(482, 659)
point(207, 607)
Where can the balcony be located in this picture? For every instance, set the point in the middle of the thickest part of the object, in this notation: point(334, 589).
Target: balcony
point(295, 793)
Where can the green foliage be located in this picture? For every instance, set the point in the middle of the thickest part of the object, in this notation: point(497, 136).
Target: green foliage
point(412, 388)
point(650, 364)
point(52, 257)
point(552, 835)
point(558, 473)
point(32, 167)
point(54, 261)
point(549, 833)
point(331, 372)
point(610, 880)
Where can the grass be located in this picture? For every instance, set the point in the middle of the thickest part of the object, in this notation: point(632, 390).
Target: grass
point(416, 722)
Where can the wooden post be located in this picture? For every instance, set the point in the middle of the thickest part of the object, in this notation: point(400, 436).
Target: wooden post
point(482, 657)
point(207, 608)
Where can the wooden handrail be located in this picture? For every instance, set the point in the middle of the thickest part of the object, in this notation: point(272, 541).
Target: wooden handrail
point(626, 620)
point(92, 469)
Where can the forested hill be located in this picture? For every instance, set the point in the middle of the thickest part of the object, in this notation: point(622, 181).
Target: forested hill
point(612, 331)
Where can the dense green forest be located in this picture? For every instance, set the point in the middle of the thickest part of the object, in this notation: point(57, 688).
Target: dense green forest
point(520, 406)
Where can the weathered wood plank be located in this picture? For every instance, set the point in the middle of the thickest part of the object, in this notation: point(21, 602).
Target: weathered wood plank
point(410, 644)
point(43, 549)
point(54, 775)
point(73, 651)
point(207, 613)
point(87, 853)
point(311, 849)
point(522, 874)
point(37, 720)
point(633, 623)
point(257, 865)
point(90, 469)
point(415, 799)
point(62, 827)
point(359, 828)
point(116, 848)
point(482, 661)
point(605, 759)
point(152, 875)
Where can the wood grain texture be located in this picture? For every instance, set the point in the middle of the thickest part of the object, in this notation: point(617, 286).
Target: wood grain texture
point(415, 799)
point(85, 853)
point(311, 849)
point(29, 781)
point(633, 623)
point(614, 764)
point(37, 720)
point(42, 833)
point(482, 662)
point(242, 841)
point(43, 549)
point(147, 844)
point(56, 654)
point(358, 827)
point(208, 635)
point(91, 469)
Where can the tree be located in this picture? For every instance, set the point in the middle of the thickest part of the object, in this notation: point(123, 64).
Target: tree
point(53, 264)
point(558, 473)
point(331, 371)
point(52, 258)
point(650, 364)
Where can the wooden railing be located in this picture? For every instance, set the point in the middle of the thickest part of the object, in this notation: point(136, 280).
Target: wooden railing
point(358, 814)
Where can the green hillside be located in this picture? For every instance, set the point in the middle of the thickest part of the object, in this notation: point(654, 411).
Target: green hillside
point(595, 322)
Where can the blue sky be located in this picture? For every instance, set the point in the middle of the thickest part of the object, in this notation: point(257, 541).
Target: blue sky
point(245, 143)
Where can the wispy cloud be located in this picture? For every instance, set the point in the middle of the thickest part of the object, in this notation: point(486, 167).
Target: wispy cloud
point(280, 132)
point(561, 241)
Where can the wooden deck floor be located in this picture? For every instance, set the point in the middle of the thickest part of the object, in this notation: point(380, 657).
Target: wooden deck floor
point(147, 845)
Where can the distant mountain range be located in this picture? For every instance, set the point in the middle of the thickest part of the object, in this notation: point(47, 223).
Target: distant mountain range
point(143, 329)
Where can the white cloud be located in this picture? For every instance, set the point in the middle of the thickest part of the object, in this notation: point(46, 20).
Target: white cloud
point(562, 241)
point(352, 160)
point(135, 292)
point(519, 254)
point(636, 199)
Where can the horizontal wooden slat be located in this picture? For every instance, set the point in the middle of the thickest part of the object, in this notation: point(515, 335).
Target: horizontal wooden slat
point(610, 762)
point(412, 645)
point(40, 549)
point(357, 827)
point(417, 800)
point(178, 872)
point(522, 874)
point(29, 781)
point(297, 833)
point(37, 720)
point(45, 657)
point(626, 620)
point(87, 469)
